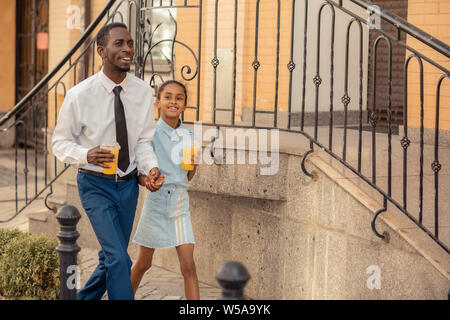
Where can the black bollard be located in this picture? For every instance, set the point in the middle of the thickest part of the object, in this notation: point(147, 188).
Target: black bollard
point(68, 217)
point(232, 277)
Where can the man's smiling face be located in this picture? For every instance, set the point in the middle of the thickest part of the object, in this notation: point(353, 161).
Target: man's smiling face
point(119, 50)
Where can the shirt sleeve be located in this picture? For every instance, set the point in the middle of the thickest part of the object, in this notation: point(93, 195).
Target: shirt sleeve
point(67, 129)
point(145, 156)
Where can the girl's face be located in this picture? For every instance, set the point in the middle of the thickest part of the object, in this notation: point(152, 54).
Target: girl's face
point(172, 101)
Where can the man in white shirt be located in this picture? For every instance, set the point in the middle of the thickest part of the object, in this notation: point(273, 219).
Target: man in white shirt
point(111, 105)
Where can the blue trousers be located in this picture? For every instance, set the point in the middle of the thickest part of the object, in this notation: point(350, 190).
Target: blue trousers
point(111, 207)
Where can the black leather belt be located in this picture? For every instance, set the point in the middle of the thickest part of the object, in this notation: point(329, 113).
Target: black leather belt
point(127, 177)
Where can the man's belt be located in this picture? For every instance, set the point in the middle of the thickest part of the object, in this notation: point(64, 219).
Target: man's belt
point(127, 177)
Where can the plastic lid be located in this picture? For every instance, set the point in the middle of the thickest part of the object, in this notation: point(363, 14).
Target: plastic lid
point(111, 145)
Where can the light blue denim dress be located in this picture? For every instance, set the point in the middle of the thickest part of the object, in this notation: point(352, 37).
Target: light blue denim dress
point(165, 220)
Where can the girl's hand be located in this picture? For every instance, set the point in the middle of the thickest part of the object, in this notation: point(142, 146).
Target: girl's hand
point(155, 185)
point(154, 180)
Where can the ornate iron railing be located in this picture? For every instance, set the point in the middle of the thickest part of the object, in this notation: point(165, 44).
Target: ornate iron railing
point(307, 121)
point(298, 69)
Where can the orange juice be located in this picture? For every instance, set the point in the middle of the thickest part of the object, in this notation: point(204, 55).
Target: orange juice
point(114, 148)
point(186, 162)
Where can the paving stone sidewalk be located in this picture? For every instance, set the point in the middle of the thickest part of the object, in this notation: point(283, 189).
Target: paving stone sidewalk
point(157, 283)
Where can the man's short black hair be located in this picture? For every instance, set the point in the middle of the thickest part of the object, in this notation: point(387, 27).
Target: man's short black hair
point(104, 32)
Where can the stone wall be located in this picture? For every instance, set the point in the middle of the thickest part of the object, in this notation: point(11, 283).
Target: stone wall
point(300, 239)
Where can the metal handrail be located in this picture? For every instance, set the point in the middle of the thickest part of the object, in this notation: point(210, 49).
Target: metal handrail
point(410, 29)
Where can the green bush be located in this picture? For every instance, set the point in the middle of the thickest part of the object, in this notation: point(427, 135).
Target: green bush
point(29, 266)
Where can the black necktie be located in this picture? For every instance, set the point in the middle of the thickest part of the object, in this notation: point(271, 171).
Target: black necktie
point(121, 131)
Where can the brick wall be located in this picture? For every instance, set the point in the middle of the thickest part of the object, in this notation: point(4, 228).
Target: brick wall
point(399, 8)
point(267, 54)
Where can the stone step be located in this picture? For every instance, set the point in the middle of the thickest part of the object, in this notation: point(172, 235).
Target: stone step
point(43, 222)
point(20, 221)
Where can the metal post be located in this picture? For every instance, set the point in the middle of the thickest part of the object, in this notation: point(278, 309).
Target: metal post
point(232, 277)
point(68, 217)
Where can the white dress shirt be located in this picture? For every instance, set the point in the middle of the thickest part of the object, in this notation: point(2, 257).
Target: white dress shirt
point(86, 120)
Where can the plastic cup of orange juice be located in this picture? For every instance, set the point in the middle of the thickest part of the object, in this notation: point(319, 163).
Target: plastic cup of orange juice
point(114, 147)
point(186, 162)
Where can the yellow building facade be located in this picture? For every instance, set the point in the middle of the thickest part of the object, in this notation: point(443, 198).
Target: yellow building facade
point(235, 86)
point(433, 17)
point(245, 26)
point(8, 52)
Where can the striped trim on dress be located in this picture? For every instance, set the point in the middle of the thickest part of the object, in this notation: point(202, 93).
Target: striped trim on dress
point(177, 221)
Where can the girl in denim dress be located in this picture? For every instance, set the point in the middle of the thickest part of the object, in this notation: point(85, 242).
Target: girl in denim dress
point(165, 220)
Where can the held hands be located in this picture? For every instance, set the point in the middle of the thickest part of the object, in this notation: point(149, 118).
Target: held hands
point(99, 156)
point(153, 181)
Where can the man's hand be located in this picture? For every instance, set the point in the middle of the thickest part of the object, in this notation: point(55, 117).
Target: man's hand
point(142, 180)
point(154, 180)
point(99, 156)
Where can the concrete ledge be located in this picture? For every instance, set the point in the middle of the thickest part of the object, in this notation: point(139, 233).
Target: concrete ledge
point(429, 135)
point(323, 118)
point(240, 181)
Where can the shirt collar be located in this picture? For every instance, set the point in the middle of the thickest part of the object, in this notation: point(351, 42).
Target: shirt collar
point(174, 134)
point(109, 84)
